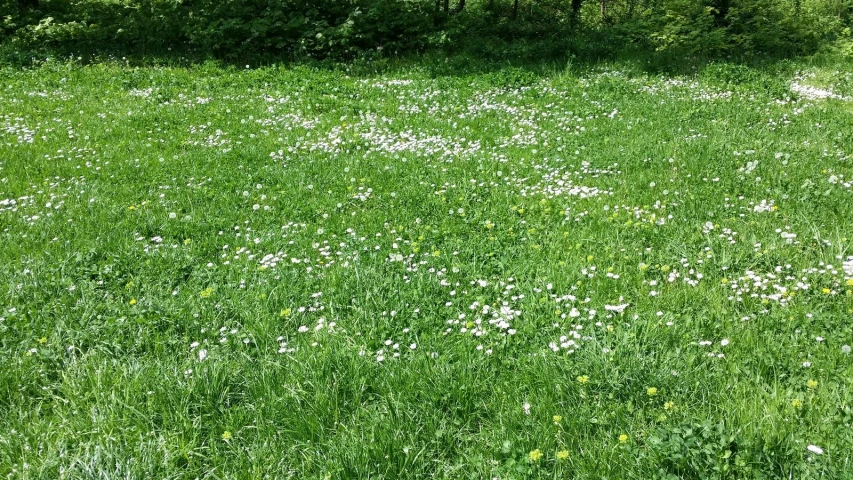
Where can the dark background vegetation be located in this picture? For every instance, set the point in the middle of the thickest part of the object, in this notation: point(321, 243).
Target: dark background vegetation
point(515, 30)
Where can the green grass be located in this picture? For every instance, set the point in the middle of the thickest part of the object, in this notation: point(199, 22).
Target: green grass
point(283, 273)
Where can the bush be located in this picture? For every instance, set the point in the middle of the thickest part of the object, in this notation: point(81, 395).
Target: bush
point(547, 29)
point(323, 28)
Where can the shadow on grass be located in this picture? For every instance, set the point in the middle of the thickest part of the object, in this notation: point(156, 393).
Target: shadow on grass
point(519, 64)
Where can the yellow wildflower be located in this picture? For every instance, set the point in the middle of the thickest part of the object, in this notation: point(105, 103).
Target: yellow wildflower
point(562, 454)
point(557, 419)
point(583, 379)
point(652, 391)
point(133, 301)
point(812, 384)
point(623, 438)
point(535, 455)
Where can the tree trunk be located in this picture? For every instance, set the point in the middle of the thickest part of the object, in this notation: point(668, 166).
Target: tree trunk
point(515, 9)
point(446, 6)
point(722, 11)
point(28, 4)
point(459, 6)
point(575, 17)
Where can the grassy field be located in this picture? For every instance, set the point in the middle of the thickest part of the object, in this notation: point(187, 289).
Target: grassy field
point(327, 273)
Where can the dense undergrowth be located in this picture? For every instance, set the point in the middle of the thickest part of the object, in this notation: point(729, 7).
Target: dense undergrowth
point(237, 30)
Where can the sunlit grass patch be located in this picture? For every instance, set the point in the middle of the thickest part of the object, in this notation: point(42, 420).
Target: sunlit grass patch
point(308, 273)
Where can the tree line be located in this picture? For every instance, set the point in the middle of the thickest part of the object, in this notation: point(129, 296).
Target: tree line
point(347, 28)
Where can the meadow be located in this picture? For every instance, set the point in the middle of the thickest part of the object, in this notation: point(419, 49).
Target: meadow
point(596, 271)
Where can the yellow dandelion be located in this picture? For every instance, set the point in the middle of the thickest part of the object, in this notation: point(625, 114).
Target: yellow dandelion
point(207, 292)
point(557, 419)
point(812, 384)
point(668, 406)
point(226, 435)
point(797, 403)
point(133, 301)
point(623, 438)
point(43, 340)
point(583, 379)
point(562, 455)
point(652, 391)
point(535, 455)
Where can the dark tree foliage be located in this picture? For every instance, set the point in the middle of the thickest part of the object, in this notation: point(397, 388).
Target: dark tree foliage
point(347, 28)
